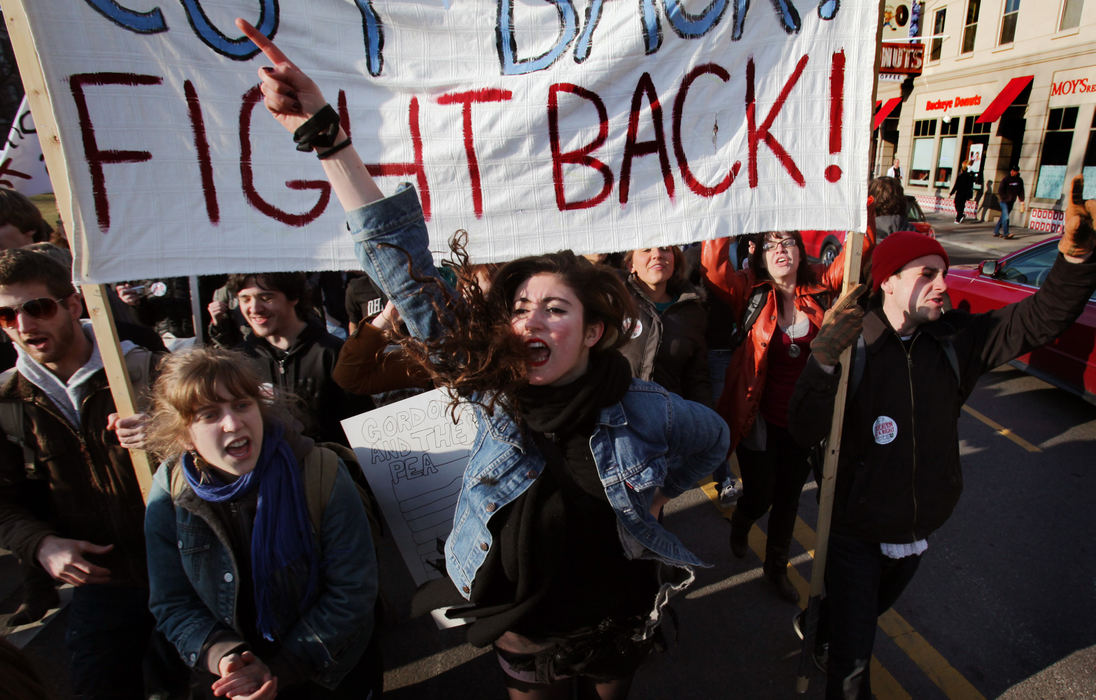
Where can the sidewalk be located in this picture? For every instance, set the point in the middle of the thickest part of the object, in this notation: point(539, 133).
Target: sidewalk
point(974, 240)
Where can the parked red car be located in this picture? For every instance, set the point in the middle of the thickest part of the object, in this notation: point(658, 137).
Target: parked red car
point(826, 245)
point(1070, 361)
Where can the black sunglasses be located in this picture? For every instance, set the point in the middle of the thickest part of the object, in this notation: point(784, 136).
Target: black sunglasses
point(40, 308)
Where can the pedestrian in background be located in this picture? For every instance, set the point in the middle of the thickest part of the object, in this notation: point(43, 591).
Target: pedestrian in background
point(962, 190)
point(1009, 192)
point(895, 170)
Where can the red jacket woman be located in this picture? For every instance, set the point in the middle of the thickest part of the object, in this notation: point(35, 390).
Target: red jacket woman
point(761, 376)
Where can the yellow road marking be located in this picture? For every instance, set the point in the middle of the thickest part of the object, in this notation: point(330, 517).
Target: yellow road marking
point(932, 662)
point(884, 685)
point(1002, 430)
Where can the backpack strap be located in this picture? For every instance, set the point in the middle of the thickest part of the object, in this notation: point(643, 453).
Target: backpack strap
point(320, 468)
point(750, 315)
point(12, 422)
point(823, 299)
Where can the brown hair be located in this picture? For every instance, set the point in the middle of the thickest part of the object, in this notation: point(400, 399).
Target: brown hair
point(680, 266)
point(889, 196)
point(294, 285)
point(805, 274)
point(23, 266)
point(477, 355)
point(20, 212)
point(196, 378)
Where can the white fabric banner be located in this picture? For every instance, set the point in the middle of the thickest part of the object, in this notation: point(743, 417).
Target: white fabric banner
point(21, 166)
point(534, 124)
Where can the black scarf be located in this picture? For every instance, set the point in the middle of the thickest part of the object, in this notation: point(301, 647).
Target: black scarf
point(558, 411)
point(518, 587)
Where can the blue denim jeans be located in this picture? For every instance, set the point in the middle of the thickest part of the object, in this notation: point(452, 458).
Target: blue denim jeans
point(861, 584)
point(1003, 221)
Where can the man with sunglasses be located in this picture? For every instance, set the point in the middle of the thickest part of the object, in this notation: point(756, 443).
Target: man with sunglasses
point(69, 498)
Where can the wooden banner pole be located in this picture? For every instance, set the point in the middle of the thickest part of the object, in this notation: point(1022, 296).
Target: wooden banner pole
point(854, 249)
point(106, 335)
point(854, 243)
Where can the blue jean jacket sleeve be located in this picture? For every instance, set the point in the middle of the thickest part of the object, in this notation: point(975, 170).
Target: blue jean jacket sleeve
point(385, 233)
point(330, 636)
point(180, 613)
point(698, 440)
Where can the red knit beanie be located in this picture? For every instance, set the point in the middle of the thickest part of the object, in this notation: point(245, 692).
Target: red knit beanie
point(897, 250)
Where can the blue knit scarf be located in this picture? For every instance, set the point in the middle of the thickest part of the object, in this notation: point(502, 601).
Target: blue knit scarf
point(281, 536)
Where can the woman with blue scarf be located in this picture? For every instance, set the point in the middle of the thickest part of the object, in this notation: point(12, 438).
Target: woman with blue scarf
point(261, 567)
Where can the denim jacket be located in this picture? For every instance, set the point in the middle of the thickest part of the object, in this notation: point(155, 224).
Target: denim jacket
point(651, 439)
point(194, 580)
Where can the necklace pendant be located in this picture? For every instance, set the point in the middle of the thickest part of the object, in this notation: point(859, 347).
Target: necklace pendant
point(794, 351)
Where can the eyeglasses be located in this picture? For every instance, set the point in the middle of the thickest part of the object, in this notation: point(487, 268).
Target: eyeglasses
point(785, 243)
point(40, 308)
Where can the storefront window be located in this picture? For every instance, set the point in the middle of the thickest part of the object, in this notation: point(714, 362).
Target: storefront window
point(1008, 21)
point(945, 162)
point(924, 132)
point(970, 126)
point(1071, 14)
point(970, 28)
point(937, 34)
point(1057, 142)
point(1089, 169)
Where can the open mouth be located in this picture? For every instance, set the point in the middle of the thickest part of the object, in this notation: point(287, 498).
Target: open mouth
point(538, 352)
point(239, 449)
point(37, 342)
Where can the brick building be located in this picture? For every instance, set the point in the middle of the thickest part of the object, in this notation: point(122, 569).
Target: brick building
point(1003, 82)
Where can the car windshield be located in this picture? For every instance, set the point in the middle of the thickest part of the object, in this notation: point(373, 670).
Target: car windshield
point(1029, 267)
point(913, 210)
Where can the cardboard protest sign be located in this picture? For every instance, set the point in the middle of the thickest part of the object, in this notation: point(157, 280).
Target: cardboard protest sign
point(534, 125)
point(21, 165)
point(413, 456)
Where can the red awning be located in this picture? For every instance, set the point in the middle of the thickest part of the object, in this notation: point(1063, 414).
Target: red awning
point(1004, 100)
point(885, 111)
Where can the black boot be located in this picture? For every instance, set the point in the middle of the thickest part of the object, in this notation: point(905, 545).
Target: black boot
point(740, 535)
point(776, 572)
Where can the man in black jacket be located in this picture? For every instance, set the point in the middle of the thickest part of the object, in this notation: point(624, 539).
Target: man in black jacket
point(295, 353)
point(899, 477)
point(1009, 190)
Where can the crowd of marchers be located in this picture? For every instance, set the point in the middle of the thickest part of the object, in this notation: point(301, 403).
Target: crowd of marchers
point(603, 387)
